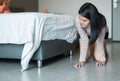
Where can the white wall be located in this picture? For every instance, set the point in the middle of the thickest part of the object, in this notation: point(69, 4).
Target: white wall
point(71, 7)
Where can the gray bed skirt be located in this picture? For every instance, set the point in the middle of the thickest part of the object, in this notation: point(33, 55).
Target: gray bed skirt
point(47, 49)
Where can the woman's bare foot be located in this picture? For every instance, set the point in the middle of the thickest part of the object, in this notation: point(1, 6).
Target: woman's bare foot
point(79, 64)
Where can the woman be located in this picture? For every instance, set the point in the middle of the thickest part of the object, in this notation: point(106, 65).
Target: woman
point(93, 31)
point(4, 6)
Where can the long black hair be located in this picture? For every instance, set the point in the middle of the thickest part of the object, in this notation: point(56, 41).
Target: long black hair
point(97, 20)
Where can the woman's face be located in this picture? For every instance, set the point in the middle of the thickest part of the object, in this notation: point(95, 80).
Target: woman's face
point(84, 22)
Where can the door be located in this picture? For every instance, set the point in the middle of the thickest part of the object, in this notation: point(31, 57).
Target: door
point(116, 20)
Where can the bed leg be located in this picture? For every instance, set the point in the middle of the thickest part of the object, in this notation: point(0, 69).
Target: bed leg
point(39, 63)
point(71, 52)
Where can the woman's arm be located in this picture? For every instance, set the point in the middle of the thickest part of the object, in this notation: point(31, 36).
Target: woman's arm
point(83, 41)
point(100, 44)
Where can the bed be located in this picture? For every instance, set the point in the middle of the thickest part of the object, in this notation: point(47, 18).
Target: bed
point(37, 36)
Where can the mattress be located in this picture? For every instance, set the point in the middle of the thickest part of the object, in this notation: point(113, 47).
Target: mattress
point(59, 27)
point(55, 27)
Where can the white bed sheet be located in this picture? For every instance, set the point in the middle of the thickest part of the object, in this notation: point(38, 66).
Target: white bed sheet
point(59, 27)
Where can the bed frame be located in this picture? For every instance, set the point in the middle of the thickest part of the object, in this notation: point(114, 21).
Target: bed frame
point(47, 49)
